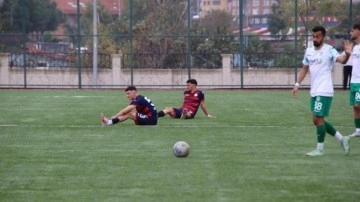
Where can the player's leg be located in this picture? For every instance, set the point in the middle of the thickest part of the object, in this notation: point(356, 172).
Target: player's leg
point(144, 120)
point(320, 107)
point(356, 121)
point(344, 140)
point(184, 113)
point(355, 101)
point(330, 129)
point(165, 111)
point(320, 132)
point(106, 121)
point(172, 112)
point(187, 114)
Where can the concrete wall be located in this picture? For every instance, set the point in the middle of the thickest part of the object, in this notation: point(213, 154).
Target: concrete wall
point(225, 77)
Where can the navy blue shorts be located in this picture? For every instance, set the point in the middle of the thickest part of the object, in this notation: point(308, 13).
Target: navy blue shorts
point(178, 112)
point(145, 120)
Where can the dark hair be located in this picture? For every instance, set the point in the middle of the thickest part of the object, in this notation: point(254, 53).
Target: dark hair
point(356, 26)
point(130, 88)
point(192, 81)
point(319, 29)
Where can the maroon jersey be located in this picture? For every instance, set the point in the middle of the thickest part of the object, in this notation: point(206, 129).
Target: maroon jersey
point(192, 101)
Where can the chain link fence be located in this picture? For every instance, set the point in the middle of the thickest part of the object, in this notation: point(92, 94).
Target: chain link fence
point(164, 43)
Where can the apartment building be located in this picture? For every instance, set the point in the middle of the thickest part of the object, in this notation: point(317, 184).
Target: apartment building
point(256, 12)
point(208, 6)
point(69, 7)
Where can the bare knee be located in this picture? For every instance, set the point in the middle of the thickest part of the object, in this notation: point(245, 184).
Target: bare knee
point(131, 115)
point(357, 108)
point(318, 120)
point(168, 110)
point(357, 111)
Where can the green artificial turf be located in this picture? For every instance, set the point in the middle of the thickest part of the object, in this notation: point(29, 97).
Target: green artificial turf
point(53, 148)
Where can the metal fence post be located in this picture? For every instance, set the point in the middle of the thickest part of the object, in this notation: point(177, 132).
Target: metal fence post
point(241, 36)
point(131, 42)
point(23, 27)
point(296, 37)
point(78, 44)
point(188, 54)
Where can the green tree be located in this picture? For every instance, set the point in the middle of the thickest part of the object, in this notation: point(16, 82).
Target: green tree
point(106, 42)
point(276, 24)
point(345, 24)
point(310, 13)
point(216, 27)
point(153, 23)
point(29, 16)
point(159, 28)
point(257, 52)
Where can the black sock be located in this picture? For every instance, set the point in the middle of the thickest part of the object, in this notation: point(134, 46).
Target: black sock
point(115, 120)
point(161, 114)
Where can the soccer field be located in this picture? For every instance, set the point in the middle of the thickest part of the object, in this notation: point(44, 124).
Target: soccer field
point(53, 148)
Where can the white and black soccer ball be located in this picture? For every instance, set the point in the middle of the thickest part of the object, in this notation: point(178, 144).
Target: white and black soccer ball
point(181, 149)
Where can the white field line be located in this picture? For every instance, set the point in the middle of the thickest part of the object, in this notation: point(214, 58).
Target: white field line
point(161, 126)
point(73, 96)
point(65, 96)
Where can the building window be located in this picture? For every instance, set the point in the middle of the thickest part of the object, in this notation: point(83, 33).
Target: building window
point(254, 11)
point(256, 3)
point(266, 11)
point(266, 2)
point(217, 2)
point(264, 20)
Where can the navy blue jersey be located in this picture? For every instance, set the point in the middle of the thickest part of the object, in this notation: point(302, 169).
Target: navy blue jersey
point(144, 106)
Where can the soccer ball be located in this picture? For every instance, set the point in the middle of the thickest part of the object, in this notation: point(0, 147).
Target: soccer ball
point(181, 149)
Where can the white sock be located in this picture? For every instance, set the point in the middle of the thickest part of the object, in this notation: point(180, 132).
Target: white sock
point(357, 130)
point(320, 146)
point(109, 122)
point(338, 136)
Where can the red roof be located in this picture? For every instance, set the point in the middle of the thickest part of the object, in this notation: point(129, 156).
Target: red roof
point(70, 6)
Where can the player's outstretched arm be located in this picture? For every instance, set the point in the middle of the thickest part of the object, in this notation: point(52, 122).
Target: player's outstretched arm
point(204, 109)
point(124, 111)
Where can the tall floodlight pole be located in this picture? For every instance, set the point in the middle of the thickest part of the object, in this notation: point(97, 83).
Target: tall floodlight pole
point(95, 41)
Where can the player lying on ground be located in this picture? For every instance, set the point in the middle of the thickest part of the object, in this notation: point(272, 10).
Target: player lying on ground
point(193, 99)
point(145, 111)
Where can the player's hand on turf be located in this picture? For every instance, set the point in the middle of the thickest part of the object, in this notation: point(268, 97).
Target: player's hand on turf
point(210, 116)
